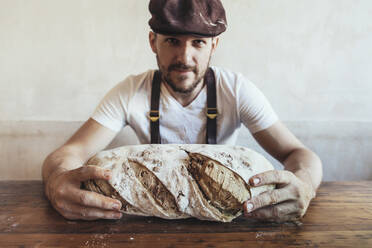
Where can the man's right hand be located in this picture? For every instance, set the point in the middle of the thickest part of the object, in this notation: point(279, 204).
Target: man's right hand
point(63, 191)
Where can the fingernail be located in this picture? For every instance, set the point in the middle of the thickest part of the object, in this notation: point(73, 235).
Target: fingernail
point(249, 207)
point(256, 181)
point(116, 206)
point(118, 215)
point(107, 173)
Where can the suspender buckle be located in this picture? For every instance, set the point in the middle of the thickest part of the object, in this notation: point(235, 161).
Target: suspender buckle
point(212, 113)
point(154, 115)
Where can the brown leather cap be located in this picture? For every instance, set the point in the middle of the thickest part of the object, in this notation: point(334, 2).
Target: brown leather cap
point(204, 18)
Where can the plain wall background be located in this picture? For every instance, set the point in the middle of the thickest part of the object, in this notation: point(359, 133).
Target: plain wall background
point(312, 60)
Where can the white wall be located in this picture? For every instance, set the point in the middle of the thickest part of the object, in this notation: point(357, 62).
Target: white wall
point(312, 59)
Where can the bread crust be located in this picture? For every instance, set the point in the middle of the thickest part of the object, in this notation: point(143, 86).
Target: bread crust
point(208, 182)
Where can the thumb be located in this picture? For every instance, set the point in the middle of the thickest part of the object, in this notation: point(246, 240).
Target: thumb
point(87, 172)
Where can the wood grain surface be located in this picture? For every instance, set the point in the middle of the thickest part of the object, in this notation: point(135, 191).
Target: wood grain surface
point(340, 216)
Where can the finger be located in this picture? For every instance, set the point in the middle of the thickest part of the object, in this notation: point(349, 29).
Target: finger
point(94, 214)
point(281, 212)
point(87, 172)
point(268, 198)
point(287, 218)
point(95, 200)
point(107, 216)
point(271, 177)
point(75, 211)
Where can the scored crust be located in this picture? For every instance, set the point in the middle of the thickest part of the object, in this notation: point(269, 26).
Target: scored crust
point(208, 182)
point(225, 189)
point(103, 187)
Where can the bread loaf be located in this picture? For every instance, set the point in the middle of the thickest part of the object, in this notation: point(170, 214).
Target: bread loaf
point(208, 182)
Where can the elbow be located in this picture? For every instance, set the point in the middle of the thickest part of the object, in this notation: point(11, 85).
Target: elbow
point(303, 156)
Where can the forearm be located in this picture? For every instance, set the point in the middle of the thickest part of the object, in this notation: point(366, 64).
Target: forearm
point(306, 165)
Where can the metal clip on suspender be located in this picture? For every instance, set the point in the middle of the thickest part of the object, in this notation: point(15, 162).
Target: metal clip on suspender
point(211, 108)
point(212, 113)
point(154, 115)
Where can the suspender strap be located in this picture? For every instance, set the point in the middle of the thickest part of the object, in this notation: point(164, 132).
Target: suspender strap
point(211, 107)
point(154, 113)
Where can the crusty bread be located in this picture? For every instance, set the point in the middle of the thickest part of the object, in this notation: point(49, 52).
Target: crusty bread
point(208, 182)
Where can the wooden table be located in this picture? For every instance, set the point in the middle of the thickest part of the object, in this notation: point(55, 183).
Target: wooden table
point(340, 216)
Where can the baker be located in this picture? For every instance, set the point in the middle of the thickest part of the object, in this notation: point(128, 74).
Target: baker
point(185, 101)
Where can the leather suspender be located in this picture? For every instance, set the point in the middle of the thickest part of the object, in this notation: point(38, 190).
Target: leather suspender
point(211, 107)
point(154, 112)
point(211, 113)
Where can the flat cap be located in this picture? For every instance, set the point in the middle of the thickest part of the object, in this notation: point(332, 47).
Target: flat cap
point(204, 18)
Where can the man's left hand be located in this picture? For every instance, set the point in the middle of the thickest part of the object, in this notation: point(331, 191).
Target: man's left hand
point(287, 202)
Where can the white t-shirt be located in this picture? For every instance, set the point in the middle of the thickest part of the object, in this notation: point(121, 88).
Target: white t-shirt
point(238, 101)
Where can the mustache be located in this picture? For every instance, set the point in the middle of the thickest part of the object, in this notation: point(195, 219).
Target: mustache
point(180, 66)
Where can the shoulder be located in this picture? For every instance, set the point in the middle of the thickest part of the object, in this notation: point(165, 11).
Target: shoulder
point(225, 75)
point(230, 81)
point(133, 85)
point(228, 77)
point(135, 81)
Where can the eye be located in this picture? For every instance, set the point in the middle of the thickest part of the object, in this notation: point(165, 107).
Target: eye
point(172, 41)
point(199, 43)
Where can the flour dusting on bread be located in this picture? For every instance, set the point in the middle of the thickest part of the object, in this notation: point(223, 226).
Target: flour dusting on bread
point(208, 182)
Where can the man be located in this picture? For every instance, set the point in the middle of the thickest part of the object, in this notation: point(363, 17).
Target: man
point(185, 36)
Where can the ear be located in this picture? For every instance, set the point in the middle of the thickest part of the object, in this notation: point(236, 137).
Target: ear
point(215, 41)
point(152, 40)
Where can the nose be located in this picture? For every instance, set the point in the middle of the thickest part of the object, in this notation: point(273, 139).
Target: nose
point(185, 54)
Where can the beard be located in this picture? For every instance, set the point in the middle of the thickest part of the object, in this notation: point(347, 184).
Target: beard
point(166, 76)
